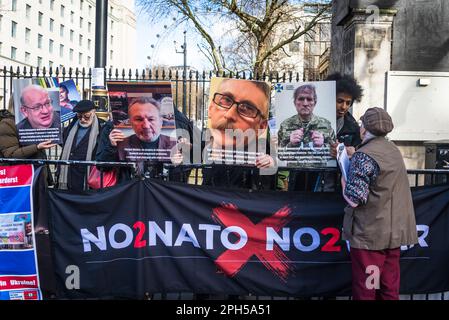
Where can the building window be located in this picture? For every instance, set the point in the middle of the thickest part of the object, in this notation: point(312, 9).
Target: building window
point(72, 16)
point(71, 35)
point(81, 22)
point(61, 31)
point(80, 58)
point(27, 57)
point(112, 40)
point(62, 11)
point(88, 61)
point(90, 10)
point(112, 25)
point(27, 35)
point(80, 40)
point(39, 18)
point(89, 26)
point(61, 50)
point(39, 62)
point(81, 4)
point(111, 55)
point(293, 46)
point(39, 41)
point(1, 19)
point(71, 55)
point(50, 64)
point(50, 25)
point(13, 29)
point(28, 11)
point(13, 53)
point(89, 43)
point(14, 5)
point(50, 46)
point(52, 4)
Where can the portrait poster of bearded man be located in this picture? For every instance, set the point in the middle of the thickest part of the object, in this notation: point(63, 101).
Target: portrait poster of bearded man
point(238, 120)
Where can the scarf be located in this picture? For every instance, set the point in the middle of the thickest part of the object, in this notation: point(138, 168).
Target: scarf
point(94, 130)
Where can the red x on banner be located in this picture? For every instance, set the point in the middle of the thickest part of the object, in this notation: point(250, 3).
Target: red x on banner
point(231, 261)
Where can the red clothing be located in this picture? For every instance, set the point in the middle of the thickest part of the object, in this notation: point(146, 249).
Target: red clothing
point(364, 279)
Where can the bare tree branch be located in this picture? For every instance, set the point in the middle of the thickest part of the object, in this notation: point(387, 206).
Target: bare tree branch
point(255, 27)
point(296, 34)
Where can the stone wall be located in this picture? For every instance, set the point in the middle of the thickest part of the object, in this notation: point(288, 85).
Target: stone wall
point(397, 35)
point(420, 40)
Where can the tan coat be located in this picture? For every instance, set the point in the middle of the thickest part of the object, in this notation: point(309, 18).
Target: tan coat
point(387, 220)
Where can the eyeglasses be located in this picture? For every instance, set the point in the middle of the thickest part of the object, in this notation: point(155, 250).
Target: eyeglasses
point(39, 107)
point(244, 109)
point(85, 116)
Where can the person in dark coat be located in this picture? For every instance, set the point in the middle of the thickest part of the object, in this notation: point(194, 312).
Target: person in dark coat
point(80, 140)
point(348, 91)
point(147, 147)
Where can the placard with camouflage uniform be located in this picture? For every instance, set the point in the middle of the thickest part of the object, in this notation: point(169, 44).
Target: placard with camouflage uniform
point(305, 123)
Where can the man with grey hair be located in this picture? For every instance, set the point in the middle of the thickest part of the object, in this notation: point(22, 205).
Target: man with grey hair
point(146, 121)
point(36, 106)
point(305, 128)
point(379, 218)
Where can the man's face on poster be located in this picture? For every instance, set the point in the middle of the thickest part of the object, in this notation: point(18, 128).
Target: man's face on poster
point(237, 104)
point(146, 121)
point(37, 108)
point(305, 103)
point(63, 94)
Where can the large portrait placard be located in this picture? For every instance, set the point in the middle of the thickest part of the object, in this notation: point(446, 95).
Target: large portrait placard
point(144, 112)
point(237, 124)
point(37, 112)
point(305, 123)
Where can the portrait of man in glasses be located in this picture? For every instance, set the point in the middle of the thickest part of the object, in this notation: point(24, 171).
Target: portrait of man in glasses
point(36, 107)
point(238, 112)
point(37, 113)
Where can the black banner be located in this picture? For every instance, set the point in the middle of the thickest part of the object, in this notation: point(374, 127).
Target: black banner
point(155, 237)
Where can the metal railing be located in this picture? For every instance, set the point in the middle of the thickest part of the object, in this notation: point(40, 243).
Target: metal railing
point(197, 83)
point(322, 179)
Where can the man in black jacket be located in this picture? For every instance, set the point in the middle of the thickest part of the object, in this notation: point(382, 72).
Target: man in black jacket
point(80, 143)
point(348, 91)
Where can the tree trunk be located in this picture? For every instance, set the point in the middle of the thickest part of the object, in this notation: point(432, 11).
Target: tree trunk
point(259, 63)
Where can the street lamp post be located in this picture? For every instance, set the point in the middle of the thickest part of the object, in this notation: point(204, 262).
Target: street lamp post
point(184, 80)
point(101, 27)
point(99, 91)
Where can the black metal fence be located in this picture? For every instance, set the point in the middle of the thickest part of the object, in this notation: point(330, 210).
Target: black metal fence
point(296, 179)
point(197, 82)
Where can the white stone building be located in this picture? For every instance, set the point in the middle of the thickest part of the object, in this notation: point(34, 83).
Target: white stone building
point(56, 33)
point(302, 56)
